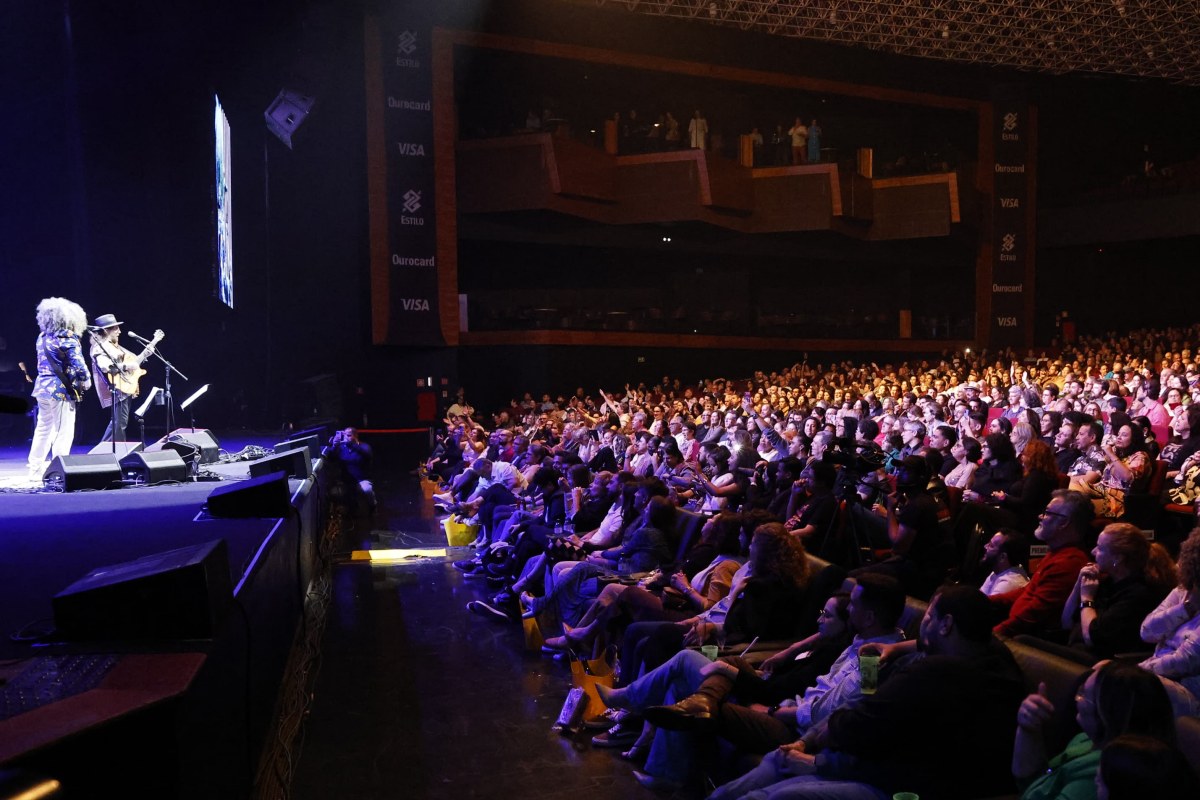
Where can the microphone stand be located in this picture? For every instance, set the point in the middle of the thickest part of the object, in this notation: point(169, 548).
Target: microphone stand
point(167, 397)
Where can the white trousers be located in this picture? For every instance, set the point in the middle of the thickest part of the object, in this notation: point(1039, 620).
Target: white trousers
point(54, 434)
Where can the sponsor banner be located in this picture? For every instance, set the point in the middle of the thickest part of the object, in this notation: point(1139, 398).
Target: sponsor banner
point(412, 308)
point(1011, 197)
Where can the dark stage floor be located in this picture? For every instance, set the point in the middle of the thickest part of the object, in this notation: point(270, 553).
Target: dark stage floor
point(419, 698)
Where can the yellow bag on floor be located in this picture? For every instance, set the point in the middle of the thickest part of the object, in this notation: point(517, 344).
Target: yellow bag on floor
point(459, 533)
point(586, 673)
point(533, 631)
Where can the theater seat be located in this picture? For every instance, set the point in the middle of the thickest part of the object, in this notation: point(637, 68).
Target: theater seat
point(687, 528)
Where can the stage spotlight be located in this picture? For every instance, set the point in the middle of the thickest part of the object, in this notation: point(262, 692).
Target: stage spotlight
point(287, 113)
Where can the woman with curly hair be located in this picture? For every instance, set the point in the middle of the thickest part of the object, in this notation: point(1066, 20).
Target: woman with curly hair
point(62, 378)
point(1174, 630)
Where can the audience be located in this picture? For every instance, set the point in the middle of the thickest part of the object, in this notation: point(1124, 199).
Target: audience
point(578, 502)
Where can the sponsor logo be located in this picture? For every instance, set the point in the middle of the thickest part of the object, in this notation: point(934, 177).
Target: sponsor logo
point(1011, 168)
point(406, 45)
point(1005, 202)
point(416, 304)
point(409, 261)
point(1008, 243)
point(1006, 322)
point(1011, 288)
point(410, 149)
point(412, 204)
point(427, 105)
point(1008, 132)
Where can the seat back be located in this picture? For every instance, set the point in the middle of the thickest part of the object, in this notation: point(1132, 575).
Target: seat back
point(687, 529)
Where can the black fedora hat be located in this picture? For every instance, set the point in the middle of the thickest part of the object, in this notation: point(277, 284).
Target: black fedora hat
point(106, 321)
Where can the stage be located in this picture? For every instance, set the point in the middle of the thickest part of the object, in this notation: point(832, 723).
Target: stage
point(188, 717)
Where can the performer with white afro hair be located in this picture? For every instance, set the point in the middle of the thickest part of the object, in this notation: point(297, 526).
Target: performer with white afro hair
point(62, 378)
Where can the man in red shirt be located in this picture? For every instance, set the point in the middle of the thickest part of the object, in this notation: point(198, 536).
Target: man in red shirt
point(1037, 608)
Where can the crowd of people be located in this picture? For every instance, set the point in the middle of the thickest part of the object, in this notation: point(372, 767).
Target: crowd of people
point(1013, 493)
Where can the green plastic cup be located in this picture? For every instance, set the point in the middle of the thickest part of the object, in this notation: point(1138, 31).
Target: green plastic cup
point(710, 651)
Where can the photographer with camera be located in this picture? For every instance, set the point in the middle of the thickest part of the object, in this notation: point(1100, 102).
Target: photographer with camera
point(346, 449)
point(920, 553)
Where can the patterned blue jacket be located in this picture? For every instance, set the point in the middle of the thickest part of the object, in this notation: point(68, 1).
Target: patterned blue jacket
point(60, 355)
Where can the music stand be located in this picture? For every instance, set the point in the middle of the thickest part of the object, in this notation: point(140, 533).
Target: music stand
point(142, 409)
point(186, 403)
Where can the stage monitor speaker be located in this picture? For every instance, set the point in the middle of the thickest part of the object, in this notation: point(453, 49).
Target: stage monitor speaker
point(179, 594)
point(268, 496)
point(295, 463)
point(189, 442)
point(72, 473)
point(122, 449)
point(310, 443)
point(165, 465)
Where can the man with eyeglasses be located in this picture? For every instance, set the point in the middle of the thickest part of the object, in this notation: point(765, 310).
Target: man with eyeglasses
point(1037, 608)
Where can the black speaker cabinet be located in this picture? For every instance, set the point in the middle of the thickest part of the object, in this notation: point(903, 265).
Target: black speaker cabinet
point(267, 496)
point(164, 465)
point(179, 594)
point(122, 449)
point(310, 443)
point(72, 473)
point(295, 463)
point(188, 443)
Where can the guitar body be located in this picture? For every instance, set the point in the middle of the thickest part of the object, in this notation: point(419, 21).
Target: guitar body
point(126, 381)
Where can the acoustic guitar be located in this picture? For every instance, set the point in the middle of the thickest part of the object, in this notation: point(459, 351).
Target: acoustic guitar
point(126, 380)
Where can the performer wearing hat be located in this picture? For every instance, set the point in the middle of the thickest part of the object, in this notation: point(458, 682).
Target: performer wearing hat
point(116, 372)
point(62, 378)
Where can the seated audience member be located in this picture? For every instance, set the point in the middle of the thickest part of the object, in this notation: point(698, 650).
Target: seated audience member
point(874, 607)
point(1126, 463)
point(1133, 767)
point(1114, 593)
point(812, 507)
point(1031, 493)
point(767, 591)
point(1185, 430)
point(1116, 698)
point(1022, 434)
point(1049, 424)
point(912, 734)
point(1006, 554)
point(1091, 459)
point(1037, 608)
point(998, 469)
point(966, 454)
point(1174, 630)
point(1153, 446)
point(1065, 452)
point(942, 438)
point(674, 597)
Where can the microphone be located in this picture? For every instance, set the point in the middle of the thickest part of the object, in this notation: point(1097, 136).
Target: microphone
point(135, 336)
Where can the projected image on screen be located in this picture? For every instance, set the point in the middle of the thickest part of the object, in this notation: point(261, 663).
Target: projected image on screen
point(224, 206)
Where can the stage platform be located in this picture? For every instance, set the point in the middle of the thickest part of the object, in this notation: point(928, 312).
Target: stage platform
point(188, 717)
